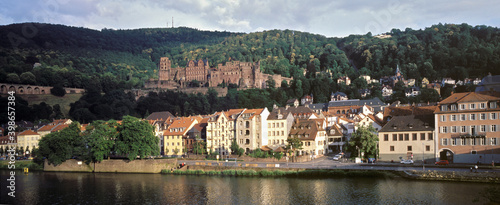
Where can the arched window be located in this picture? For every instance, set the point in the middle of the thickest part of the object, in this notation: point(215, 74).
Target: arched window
point(247, 124)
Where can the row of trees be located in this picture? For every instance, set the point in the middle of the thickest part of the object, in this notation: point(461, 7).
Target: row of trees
point(131, 138)
point(32, 113)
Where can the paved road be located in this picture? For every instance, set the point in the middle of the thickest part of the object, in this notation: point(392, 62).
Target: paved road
point(327, 163)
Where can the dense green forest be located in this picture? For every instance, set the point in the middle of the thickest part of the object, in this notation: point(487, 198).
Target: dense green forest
point(109, 60)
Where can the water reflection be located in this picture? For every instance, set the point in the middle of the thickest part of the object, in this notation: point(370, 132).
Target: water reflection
point(73, 188)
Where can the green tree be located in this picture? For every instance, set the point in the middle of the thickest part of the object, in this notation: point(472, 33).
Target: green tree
point(13, 78)
point(429, 95)
point(58, 90)
point(100, 137)
point(28, 78)
point(278, 155)
point(176, 150)
point(57, 147)
point(234, 146)
point(199, 147)
point(136, 139)
point(294, 144)
point(364, 140)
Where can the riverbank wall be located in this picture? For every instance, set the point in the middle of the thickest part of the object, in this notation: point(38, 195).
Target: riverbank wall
point(117, 166)
point(488, 177)
point(442, 175)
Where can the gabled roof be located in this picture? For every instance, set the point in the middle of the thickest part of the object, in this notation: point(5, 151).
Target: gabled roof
point(409, 110)
point(295, 110)
point(176, 127)
point(254, 112)
point(338, 132)
point(232, 114)
point(27, 132)
point(375, 119)
point(409, 123)
point(159, 115)
point(468, 97)
point(59, 127)
point(305, 127)
point(46, 128)
point(59, 121)
point(274, 115)
point(376, 103)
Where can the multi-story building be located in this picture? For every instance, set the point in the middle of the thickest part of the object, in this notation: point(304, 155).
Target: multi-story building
point(160, 122)
point(467, 128)
point(278, 127)
point(311, 134)
point(28, 140)
point(197, 133)
point(407, 137)
point(221, 130)
point(251, 129)
point(335, 139)
point(174, 136)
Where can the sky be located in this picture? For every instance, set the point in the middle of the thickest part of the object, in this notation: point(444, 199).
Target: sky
point(331, 18)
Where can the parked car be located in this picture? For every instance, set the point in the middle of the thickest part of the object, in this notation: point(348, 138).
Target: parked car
point(442, 162)
point(408, 161)
point(337, 157)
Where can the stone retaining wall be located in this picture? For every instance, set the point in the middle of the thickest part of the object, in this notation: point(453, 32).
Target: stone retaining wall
point(121, 166)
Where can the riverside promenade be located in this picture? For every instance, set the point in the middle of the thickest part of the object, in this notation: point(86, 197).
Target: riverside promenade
point(327, 163)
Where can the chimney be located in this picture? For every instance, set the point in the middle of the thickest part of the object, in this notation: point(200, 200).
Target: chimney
point(286, 107)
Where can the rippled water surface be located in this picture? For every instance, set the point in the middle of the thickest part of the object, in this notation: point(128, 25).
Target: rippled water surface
point(102, 188)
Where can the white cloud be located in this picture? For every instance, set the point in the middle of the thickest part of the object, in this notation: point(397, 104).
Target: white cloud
point(326, 17)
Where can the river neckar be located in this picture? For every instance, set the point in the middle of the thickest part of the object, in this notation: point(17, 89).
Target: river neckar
point(120, 188)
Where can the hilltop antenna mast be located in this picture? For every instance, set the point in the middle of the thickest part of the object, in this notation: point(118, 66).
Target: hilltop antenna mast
point(172, 21)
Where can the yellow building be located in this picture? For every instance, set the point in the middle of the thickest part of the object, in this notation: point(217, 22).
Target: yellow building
point(28, 139)
point(407, 136)
point(173, 136)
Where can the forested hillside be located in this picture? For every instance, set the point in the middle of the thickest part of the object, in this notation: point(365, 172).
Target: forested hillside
point(107, 60)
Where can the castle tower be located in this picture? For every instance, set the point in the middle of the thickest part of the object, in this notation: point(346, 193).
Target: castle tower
point(164, 69)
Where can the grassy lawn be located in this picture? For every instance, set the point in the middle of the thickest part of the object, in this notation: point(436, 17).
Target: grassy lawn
point(20, 164)
point(52, 100)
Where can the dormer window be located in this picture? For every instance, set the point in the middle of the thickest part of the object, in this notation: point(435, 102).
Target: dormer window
point(444, 108)
point(453, 107)
point(493, 104)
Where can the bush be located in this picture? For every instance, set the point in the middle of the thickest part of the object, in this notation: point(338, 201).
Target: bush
point(229, 172)
point(58, 90)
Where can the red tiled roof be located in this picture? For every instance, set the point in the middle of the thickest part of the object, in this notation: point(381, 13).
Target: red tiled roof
point(183, 122)
point(46, 128)
point(28, 132)
point(59, 127)
point(60, 121)
point(467, 97)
